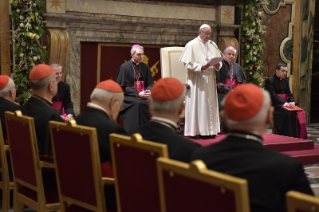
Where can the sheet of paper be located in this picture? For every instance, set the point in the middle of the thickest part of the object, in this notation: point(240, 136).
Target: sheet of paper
point(215, 60)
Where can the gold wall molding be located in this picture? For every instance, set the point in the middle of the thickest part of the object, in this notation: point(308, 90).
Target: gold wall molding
point(57, 41)
point(5, 38)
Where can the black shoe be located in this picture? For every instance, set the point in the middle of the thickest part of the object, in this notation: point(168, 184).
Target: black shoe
point(208, 136)
point(197, 136)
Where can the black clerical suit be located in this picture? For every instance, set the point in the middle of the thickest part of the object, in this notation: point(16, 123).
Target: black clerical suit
point(269, 174)
point(41, 111)
point(286, 122)
point(179, 148)
point(99, 119)
point(93, 117)
point(64, 96)
point(135, 110)
point(224, 73)
point(6, 105)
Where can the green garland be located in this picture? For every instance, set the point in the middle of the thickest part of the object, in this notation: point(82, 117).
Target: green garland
point(252, 45)
point(28, 51)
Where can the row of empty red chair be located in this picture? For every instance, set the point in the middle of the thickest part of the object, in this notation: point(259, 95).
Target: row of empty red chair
point(145, 178)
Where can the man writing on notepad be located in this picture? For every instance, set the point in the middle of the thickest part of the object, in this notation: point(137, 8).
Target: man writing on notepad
point(201, 104)
point(287, 119)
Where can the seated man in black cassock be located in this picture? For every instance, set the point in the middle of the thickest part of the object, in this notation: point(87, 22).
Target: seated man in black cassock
point(229, 76)
point(101, 113)
point(167, 104)
point(62, 100)
point(7, 103)
point(136, 80)
point(43, 83)
point(286, 122)
point(270, 175)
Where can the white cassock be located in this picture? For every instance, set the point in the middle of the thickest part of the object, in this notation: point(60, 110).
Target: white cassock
point(201, 104)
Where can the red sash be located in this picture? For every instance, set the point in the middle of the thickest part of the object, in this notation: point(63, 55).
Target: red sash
point(301, 117)
point(139, 85)
point(58, 105)
point(235, 83)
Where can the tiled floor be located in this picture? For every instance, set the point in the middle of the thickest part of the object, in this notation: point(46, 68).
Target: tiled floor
point(312, 171)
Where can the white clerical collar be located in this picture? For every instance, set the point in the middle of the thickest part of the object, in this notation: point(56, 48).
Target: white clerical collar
point(164, 120)
point(93, 105)
point(201, 40)
point(135, 62)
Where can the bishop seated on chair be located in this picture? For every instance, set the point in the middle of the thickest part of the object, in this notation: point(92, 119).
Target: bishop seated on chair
point(287, 120)
point(136, 80)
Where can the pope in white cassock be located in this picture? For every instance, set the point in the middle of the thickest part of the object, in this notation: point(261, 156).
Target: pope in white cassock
point(201, 111)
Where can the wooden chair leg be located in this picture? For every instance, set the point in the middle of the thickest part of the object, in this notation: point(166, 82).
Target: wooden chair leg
point(5, 199)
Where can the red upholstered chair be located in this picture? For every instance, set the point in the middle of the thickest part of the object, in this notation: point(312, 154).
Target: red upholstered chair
point(78, 167)
point(299, 202)
point(191, 187)
point(6, 184)
point(134, 164)
point(26, 166)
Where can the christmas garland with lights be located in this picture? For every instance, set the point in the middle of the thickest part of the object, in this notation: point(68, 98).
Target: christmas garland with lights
point(27, 29)
point(252, 45)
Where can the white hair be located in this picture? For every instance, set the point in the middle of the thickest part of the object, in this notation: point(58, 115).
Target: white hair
point(104, 96)
point(5, 91)
point(230, 48)
point(169, 107)
point(258, 118)
point(134, 50)
point(55, 65)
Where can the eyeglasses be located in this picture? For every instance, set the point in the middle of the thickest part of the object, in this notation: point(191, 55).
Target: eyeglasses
point(59, 73)
point(206, 33)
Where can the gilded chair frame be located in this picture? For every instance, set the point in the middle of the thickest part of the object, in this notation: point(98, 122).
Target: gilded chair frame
point(5, 184)
point(19, 199)
point(136, 141)
point(197, 170)
point(297, 201)
point(99, 181)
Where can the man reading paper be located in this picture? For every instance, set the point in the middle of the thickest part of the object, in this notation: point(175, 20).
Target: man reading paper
point(201, 111)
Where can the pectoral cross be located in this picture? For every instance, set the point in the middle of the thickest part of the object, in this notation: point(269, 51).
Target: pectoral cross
point(207, 59)
point(138, 84)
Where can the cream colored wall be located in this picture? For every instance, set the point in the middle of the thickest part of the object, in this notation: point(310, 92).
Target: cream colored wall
point(139, 9)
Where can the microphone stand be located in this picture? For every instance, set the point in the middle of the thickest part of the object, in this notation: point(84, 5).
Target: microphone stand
point(214, 44)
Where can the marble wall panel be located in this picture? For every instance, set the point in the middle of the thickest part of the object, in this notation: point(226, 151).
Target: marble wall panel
point(276, 32)
point(140, 9)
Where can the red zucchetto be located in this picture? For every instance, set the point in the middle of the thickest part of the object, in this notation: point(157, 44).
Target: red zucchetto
point(40, 71)
point(4, 79)
point(167, 89)
point(244, 102)
point(109, 85)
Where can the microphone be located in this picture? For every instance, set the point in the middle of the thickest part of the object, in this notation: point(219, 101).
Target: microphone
point(215, 45)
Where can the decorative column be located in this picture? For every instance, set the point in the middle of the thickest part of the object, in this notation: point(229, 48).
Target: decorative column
point(57, 37)
point(5, 38)
point(226, 28)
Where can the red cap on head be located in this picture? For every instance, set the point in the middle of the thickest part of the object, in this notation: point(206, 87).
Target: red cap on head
point(167, 89)
point(244, 102)
point(109, 85)
point(135, 46)
point(4, 79)
point(40, 71)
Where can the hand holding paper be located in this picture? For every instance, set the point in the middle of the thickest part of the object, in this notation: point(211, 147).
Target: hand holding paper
point(215, 61)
